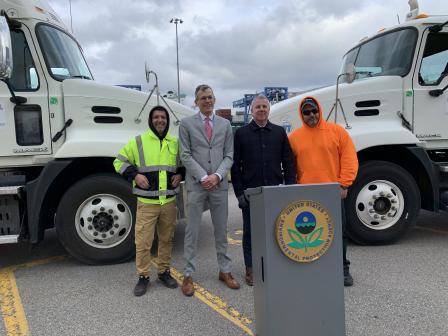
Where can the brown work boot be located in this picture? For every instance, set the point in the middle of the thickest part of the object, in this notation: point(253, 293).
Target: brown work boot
point(187, 286)
point(229, 280)
point(249, 276)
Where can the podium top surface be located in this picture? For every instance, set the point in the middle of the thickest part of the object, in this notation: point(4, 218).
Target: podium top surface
point(259, 190)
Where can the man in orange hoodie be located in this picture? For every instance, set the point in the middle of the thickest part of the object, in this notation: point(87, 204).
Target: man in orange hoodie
point(324, 152)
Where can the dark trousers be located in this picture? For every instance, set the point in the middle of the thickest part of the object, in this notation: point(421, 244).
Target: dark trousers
point(247, 243)
point(344, 238)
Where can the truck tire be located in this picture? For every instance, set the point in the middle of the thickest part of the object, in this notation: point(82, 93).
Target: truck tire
point(95, 220)
point(382, 205)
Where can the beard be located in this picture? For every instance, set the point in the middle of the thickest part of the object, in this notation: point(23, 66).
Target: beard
point(312, 121)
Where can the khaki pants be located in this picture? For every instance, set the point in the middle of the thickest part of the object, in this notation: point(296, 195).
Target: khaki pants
point(150, 217)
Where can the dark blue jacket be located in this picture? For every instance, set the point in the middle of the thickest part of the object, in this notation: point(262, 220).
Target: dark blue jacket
point(262, 157)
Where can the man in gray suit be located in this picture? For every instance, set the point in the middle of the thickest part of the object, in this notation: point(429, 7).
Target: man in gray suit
point(206, 151)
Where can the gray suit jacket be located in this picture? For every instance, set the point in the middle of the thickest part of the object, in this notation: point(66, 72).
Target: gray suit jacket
point(201, 157)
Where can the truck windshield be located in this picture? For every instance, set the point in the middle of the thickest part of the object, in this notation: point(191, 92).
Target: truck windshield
point(389, 54)
point(62, 54)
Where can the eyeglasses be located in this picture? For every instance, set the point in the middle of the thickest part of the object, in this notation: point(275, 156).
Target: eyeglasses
point(308, 112)
point(206, 98)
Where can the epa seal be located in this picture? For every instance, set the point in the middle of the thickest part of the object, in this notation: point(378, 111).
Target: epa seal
point(304, 231)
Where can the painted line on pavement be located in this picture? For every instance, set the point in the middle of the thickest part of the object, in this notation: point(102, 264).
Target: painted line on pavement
point(431, 230)
point(232, 241)
point(38, 262)
point(218, 305)
point(14, 317)
point(11, 305)
point(16, 323)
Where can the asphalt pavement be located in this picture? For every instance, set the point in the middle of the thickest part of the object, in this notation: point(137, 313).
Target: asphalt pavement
point(400, 289)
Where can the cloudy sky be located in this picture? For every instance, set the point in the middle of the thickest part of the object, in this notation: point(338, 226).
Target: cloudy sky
point(235, 46)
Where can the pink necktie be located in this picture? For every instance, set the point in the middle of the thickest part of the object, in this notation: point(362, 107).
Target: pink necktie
point(208, 128)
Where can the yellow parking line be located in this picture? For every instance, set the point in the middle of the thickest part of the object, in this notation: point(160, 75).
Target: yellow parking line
point(38, 262)
point(232, 241)
point(431, 230)
point(218, 305)
point(11, 305)
point(14, 317)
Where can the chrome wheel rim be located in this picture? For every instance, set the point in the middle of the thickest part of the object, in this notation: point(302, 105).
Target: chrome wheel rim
point(103, 221)
point(379, 205)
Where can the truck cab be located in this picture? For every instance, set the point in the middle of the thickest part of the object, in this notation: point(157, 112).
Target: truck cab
point(60, 131)
point(396, 111)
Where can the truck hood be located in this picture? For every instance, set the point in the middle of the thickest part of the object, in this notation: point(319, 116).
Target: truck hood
point(378, 125)
point(378, 88)
point(104, 117)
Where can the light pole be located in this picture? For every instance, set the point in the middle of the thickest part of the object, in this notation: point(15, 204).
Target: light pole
point(177, 21)
point(71, 17)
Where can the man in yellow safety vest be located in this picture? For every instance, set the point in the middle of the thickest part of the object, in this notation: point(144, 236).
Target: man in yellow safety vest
point(150, 161)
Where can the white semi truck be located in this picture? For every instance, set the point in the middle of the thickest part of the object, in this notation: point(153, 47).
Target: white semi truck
point(396, 111)
point(59, 134)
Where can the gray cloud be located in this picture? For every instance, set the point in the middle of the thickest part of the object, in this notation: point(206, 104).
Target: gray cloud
point(237, 47)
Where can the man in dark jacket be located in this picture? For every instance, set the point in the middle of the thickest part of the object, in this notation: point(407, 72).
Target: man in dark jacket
point(262, 157)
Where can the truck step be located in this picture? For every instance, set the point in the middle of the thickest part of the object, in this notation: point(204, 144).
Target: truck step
point(444, 200)
point(11, 184)
point(9, 217)
point(9, 239)
point(10, 190)
point(12, 180)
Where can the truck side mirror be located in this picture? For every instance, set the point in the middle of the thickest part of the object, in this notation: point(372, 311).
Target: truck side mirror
point(5, 50)
point(437, 92)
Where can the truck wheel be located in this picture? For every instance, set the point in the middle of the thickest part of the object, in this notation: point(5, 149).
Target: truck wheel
point(382, 205)
point(95, 220)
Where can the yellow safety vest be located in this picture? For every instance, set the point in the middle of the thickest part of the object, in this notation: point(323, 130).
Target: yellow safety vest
point(157, 160)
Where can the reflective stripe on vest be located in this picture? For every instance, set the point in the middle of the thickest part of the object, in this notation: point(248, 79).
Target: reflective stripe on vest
point(125, 164)
point(146, 193)
point(149, 169)
point(123, 168)
point(122, 158)
point(141, 155)
point(143, 168)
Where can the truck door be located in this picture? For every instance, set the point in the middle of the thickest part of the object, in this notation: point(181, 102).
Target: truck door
point(24, 128)
point(431, 113)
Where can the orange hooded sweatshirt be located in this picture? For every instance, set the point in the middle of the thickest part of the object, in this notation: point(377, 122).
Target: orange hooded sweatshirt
point(324, 153)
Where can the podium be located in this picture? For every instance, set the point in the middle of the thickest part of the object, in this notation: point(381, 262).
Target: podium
point(297, 260)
